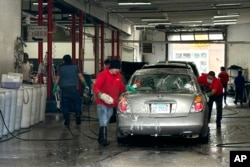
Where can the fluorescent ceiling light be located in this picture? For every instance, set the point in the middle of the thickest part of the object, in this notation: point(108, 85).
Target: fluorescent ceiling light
point(227, 16)
point(225, 4)
point(160, 23)
point(144, 26)
point(134, 3)
point(227, 20)
point(36, 3)
point(187, 22)
point(225, 23)
point(154, 19)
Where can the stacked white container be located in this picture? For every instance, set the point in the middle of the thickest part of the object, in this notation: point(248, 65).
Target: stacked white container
point(13, 110)
point(38, 104)
point(27, 106)
point(2, 105)
point(43, 102)
point(7, 110)
point(34, 105)
point(19, 108)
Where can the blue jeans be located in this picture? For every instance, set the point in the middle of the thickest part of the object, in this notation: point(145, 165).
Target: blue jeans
point(70, 101)
point(104, 114)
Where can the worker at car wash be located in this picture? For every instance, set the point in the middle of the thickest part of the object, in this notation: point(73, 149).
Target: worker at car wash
point(26, 69)
point(67, 79)
point(107, 88)
point(214, 92)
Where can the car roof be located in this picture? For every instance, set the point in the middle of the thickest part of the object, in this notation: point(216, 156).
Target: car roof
point(166, 65)
point(170, 70)
point(191, 63)
point(175, 64)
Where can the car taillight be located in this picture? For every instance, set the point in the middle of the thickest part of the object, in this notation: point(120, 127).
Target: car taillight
point(122, 105)
point(198, 105)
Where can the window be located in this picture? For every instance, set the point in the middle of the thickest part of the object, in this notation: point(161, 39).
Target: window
point(147, 48)
point(196, 36)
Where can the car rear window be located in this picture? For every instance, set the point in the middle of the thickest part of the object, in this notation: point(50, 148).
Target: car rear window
point(165, 66)
point(163, 82)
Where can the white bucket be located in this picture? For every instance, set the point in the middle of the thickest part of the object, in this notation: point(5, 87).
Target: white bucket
point(2, 102)
point(19, 108)
point(38, 103)
point(34, 104)
point(13, 110)
point(7, 110)
point(43, 103)
point(27, 106)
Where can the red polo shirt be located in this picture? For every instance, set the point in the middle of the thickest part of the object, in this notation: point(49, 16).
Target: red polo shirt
point(215, 85)
point(224, 77)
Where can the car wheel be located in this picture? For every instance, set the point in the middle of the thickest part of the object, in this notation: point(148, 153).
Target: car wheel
point(204, 139)
point(120, 138)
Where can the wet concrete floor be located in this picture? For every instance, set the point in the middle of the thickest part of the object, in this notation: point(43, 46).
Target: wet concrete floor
point(51, 144)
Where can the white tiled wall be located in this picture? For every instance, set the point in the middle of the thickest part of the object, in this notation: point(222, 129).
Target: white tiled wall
point(10, 28)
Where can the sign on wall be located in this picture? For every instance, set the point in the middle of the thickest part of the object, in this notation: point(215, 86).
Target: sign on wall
point(37, 33)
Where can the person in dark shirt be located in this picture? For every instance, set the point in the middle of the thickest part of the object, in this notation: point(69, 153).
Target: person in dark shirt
point(239, 82)
point(67, 79)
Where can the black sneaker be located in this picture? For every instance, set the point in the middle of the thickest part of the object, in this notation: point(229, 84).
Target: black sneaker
point(235, 102)
point(66, 123)
point(218, 125)
point(78, 120)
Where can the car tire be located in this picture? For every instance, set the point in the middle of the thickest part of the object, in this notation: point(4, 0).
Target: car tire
point(204, 139)
point(120, 138)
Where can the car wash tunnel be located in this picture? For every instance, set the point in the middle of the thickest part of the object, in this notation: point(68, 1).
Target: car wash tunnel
point(161, 115)
point(29, 140)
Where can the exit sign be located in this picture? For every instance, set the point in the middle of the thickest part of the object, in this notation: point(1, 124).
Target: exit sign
point(37, 33)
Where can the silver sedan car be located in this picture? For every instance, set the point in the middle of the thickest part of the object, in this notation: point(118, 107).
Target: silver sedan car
point(167, 102)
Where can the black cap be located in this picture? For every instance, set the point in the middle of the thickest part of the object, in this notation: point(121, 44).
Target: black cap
point(107, 62)
point(115, 64)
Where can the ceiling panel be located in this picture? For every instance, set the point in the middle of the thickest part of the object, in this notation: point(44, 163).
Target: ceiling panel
point(174, 11)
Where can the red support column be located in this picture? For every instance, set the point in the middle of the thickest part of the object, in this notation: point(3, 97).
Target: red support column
point(81, 58)
point(73, 38)
point(49, 57)
point(95, 50)
point(113, 45)
point(40, 43)
point(118, 45)
point(80, 37)
point(102, 45)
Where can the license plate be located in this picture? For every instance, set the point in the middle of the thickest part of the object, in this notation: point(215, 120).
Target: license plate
point(160, 108)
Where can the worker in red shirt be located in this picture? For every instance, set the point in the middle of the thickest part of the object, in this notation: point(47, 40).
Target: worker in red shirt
point(107, 88)
point(215, 94)
point(224, 78)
